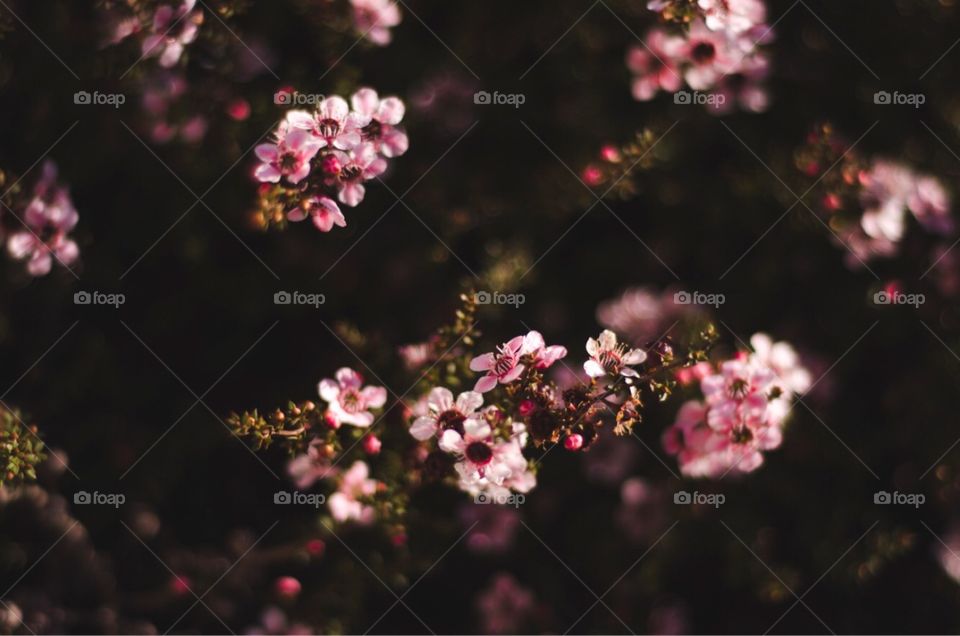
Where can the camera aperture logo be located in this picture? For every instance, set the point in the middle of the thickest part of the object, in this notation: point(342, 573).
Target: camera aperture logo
point(501, 499)
point(684, 498)
point(297, 498)
point(96, 98)
point(295, 98)
point(99, 298)
point(497, 98)
point(698, 298)
point(299, 298)
point(698, 98)
point(898, 298)
point(896, 98)
point(897, 498)
point(498, 298)
point(96, 498)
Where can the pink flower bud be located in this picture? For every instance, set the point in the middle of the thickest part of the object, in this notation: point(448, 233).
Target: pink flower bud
point(610, 153)
point(371, 444)
point(316, 547)
point(527, 407)
point(180, 585)
point(592, 176)
point(331, 421)
point(331, 165)
point(573, 442)
point(238, 109)
point(287, 587)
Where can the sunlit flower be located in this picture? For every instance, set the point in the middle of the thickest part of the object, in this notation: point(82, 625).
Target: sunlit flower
point(323, 211)
point(445, 414)
point(289, 157)
point(608, 357)
point(373, 19)
point(173, 28)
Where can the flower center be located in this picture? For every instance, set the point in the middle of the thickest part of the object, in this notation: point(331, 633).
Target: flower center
point(349, 173)
point(451, 420)
point(611, 360)
point(741, 435)
point(704, 52)
point(479, 453)
point(373, 130)
point(288, 162)
point(351, 401)
point(328, 128)
point(738, 388)
point(504, 362)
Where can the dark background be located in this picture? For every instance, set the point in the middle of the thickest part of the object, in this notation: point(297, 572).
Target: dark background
point(200, 299)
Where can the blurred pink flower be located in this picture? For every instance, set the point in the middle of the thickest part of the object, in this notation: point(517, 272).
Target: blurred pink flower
point(504, 606)
point(48, 217)
point(655, 65)
point(172, 29)
point(345, 504)
point(347, 402)
point(373, 19)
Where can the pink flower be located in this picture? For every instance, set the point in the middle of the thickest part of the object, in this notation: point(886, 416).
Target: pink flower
point(474, 445)
point(503, 365)
point(373, 18)
point(930, 204)
point(505, 605)
point(332, 124)
point(289, 157)
point(543, 356)
point(323, 211)
point(733, 17)
point(173, 29)
point(607, 356)
point(655, 65)
point(346, 504)
point(709, 55)
point(444, 414)
point(494, 527)
point(348, 403)
point(359, 165)
point(49, 216)
point(384, 114)
point(308, 468)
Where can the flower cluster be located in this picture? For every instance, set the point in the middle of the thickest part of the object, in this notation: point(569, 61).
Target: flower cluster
point(330, 152)
point(487, 443)
point(373, 19)
point(869, 201)
point(476, 420)
point(716, 53)
point(172, 29)
point(48, 217)
point(746, 401)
